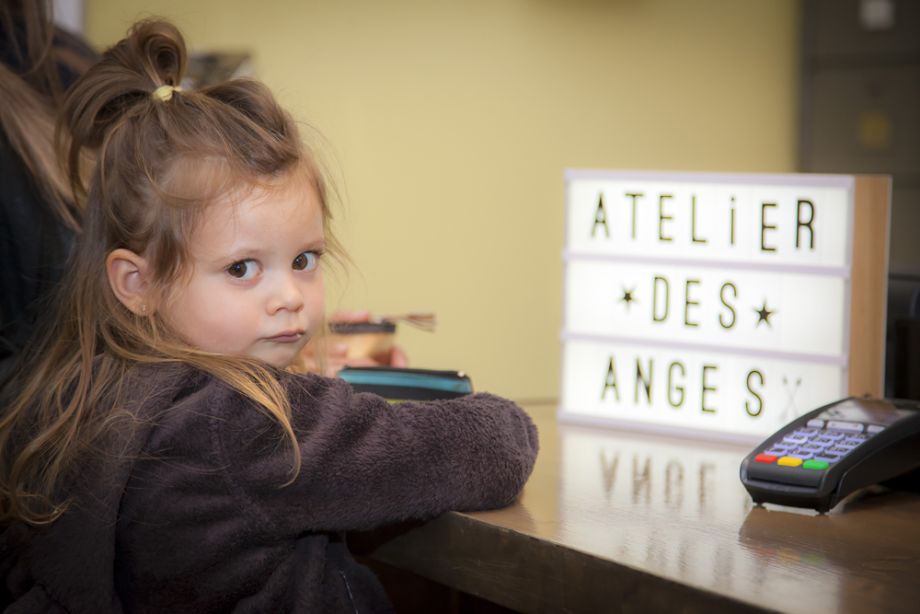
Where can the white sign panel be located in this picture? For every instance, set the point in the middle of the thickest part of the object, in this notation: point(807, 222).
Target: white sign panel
point(714, 305)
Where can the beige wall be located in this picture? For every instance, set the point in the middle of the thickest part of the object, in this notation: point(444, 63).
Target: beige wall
point(451, 124)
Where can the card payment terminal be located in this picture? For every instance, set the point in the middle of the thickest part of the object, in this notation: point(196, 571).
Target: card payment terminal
point(821, 457)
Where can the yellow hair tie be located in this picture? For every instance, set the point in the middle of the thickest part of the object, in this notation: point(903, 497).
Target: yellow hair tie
point(164, 93)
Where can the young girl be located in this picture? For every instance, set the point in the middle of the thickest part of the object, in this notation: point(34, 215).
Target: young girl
point(156, 456)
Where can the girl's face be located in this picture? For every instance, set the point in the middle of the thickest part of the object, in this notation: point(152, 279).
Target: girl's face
point(255, 287)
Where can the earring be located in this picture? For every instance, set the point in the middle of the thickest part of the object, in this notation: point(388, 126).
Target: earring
point(143, 309)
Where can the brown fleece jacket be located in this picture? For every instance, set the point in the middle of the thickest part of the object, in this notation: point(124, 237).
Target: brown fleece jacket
point(187, 511)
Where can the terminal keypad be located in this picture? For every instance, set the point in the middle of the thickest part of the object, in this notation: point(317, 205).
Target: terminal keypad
point(818, 445)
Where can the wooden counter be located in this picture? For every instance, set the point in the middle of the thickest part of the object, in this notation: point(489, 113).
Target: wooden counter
point(613, 521)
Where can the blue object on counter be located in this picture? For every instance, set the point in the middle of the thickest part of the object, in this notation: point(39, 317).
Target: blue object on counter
point(408, 384)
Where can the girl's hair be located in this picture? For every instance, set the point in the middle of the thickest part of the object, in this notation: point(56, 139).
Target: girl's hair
point(159, 164)
point(32, 91)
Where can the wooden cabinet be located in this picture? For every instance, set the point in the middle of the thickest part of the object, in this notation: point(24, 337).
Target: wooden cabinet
point(859, 112)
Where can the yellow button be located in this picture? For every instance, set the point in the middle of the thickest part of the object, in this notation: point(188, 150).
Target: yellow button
point(788, 461)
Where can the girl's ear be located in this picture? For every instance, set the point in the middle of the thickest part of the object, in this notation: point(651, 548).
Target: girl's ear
point(129, 278)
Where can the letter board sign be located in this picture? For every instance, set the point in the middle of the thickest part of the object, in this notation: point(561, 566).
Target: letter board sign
point(720, 305)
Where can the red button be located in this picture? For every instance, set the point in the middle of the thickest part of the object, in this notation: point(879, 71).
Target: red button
point(765, 458)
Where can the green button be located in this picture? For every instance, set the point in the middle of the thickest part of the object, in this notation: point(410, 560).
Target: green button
point(814, 464)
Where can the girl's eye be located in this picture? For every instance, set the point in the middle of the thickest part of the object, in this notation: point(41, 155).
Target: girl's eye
point(306, 261)
point(244, 269)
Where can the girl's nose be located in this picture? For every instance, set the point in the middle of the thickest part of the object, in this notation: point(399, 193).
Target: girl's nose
point(286, 295)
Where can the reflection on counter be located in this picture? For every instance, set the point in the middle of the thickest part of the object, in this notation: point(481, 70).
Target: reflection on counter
point(661, 503)
point(784, 541)
point(658, 474)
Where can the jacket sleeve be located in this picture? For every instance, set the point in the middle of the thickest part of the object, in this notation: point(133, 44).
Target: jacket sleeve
point(366, 462)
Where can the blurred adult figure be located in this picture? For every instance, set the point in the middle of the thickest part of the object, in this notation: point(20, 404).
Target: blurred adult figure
point(38, 218)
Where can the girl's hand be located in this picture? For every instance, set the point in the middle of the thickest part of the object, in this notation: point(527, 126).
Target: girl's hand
point(336, 356)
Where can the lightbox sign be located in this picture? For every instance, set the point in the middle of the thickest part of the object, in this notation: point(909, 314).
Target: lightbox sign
point(709, 304)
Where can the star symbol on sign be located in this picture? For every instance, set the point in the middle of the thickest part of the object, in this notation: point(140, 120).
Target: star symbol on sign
point(628, 297)
point(763, 315)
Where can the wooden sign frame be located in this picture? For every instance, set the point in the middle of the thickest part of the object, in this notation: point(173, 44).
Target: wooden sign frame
point(869, 284)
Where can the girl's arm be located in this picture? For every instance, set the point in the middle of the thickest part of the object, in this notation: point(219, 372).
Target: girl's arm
point(366, 462)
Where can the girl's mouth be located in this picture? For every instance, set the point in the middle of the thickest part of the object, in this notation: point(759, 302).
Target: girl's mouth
point(288, 336)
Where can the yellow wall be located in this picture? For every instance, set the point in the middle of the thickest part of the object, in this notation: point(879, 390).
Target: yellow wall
point(451, 124)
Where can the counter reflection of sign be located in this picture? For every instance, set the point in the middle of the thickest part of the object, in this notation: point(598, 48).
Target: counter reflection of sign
point(720, 306)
